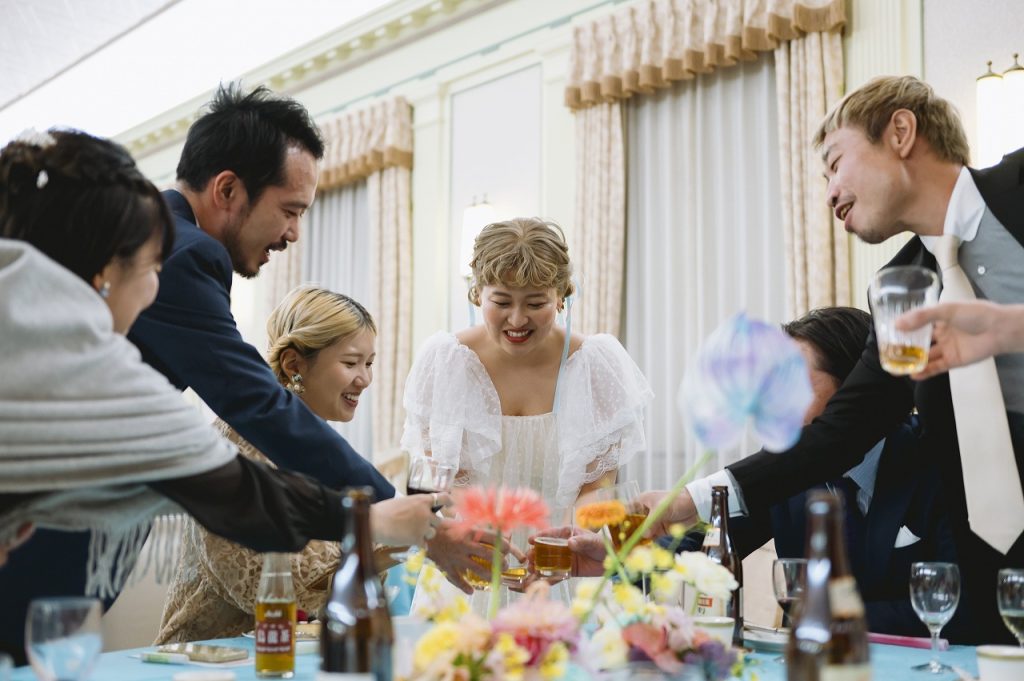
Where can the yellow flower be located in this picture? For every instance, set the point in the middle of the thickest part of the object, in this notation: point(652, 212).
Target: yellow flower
point(439, 640)
point(453, 612)
point(677, 530)
point(600, 513)
point(663, 558)
point(629, 598)
point(552, 666)
point(414, 563)
point(640, 561)
point(513, 656)
point(665, 587)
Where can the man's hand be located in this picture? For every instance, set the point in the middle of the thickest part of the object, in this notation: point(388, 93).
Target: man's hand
point(403, 521)
point(965, 333)
point(587, 549)
point(680, 511)
point(454, 546)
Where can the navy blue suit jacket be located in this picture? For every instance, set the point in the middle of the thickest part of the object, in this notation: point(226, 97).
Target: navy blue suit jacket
point(907, 493)
point(189, 335)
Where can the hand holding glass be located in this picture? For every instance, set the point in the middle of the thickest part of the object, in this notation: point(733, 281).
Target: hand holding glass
point(893, 291)
point(934, 594)
point(62, 637)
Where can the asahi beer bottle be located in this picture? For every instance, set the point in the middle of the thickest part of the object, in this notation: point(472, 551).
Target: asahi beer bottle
point(718, 547)
point(275, 618)
point(829, 637)
point(356, 636)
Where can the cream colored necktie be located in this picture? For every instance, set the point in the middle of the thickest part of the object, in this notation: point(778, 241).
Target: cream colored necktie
point(995, 503)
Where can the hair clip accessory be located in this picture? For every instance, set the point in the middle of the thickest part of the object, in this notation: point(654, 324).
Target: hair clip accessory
point(42, 179)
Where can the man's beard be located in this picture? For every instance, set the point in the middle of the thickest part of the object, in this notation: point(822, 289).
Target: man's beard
point(237, 255)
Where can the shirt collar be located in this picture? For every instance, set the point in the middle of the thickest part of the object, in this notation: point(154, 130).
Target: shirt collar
point(866, 471)
point(963, 215)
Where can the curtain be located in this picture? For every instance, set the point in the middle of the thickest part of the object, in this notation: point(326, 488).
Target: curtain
point(705, 239)
point(646, 47)
point(600, 217)
point(374, 144)
point(809, 77)
point(336, 256)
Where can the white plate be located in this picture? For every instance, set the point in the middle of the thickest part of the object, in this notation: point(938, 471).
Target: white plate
point(765, 640)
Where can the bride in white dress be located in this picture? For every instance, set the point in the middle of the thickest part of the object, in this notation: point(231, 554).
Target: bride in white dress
point(519, 401)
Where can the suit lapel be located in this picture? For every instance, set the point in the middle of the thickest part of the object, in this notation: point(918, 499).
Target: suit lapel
point(894, 488)
point(1001, 187)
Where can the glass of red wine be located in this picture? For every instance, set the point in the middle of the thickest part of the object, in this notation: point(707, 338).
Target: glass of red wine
point(429, 476)
point(789, 577)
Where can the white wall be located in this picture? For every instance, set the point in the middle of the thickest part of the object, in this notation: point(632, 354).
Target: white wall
point(959, 37)
point(495, 152)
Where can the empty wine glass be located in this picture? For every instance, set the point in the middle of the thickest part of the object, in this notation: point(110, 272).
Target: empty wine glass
point(934, 594)
point(1010, 595)
point(62, 637)
point(789, 579)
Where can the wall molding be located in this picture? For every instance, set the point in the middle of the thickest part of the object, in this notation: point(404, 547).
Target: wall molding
point(350, 47)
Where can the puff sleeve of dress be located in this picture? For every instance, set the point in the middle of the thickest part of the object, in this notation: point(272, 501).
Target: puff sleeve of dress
point(451, 407)
point(600, 415)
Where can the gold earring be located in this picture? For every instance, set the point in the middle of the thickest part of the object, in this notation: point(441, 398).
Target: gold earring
point(295, 385)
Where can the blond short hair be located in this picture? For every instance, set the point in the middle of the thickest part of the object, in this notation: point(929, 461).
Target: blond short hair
point(521, 253)
point(871, 107)
point(310, 319)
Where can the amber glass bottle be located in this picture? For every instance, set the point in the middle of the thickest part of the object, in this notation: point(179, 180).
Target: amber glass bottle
point(718, 547)
point(356, 637)
point(829, 637)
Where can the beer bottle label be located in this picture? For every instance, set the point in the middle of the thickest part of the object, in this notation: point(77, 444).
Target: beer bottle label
point(275, 628)
point(713, 536)
point(843, 597)
point(846, 672)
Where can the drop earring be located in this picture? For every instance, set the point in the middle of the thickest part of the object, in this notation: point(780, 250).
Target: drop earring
point(295, 385)
point(105, 290)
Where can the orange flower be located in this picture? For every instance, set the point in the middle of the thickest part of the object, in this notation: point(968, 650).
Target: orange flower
point(600, 513)
point(501, 508)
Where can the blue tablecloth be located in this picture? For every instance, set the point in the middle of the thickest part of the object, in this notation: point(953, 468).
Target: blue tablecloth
point(890, 663)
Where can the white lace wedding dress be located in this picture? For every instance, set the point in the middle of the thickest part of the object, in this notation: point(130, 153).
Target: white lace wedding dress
point(453, 412)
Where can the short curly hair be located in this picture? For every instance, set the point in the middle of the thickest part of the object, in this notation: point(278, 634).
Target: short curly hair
point(523, 253)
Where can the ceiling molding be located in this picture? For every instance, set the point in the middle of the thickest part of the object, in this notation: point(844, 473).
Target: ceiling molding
point(349, 47)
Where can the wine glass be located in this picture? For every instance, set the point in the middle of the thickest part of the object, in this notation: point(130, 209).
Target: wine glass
point(789, 579)
point(934, 594)
point(1010, 595)
point(62, 637)
point(427, 475)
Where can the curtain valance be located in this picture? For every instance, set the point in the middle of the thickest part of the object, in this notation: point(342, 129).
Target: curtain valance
point(362, 142)
point(651, 43)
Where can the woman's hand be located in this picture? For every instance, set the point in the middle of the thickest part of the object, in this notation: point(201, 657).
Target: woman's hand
point(588, 550)
point(404, 521)
point(455, 546)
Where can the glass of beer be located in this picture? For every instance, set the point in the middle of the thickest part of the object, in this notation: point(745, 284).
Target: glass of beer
point(628, 494)
point(552, 557)
point(894, 291)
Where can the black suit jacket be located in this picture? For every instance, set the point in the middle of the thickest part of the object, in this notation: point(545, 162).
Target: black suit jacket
point(907, 493)
point(189, 335)
point(871, 403)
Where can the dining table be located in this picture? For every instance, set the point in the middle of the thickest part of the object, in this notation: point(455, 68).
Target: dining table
point(888, 663)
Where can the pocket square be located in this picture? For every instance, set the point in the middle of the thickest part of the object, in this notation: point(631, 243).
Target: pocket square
point(905, 538)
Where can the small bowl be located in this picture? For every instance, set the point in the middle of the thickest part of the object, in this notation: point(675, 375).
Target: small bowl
point(718, 628)
point(1000, 663)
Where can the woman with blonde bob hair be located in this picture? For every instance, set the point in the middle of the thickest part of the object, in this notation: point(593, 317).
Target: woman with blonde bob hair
point(519, 400)
point(322, 349)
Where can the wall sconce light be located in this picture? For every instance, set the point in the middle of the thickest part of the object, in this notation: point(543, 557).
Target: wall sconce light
point(1000, 99)
point(475, 217)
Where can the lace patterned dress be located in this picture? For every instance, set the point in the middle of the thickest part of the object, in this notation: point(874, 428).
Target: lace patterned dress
point(213, 593)
point(453, 412)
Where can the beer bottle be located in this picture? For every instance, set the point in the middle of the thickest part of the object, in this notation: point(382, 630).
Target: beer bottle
point(829, 637)
point(275, 618)
point(356, 636)
point(718, 547)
